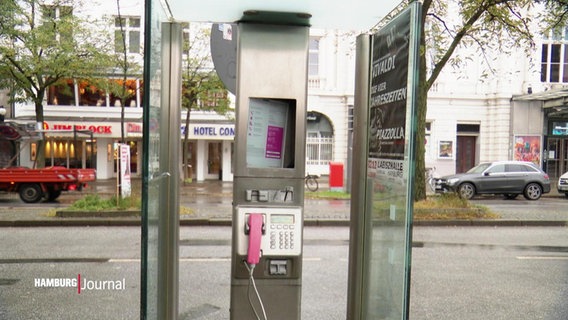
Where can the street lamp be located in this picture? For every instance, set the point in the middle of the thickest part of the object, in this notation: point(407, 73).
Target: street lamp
point(2, 113)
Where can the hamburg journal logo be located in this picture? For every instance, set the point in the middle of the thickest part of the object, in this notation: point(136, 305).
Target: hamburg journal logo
point(81, 284)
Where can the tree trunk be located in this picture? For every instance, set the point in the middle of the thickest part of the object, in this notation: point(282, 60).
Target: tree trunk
point(420, 170)
point(40, 155)
point(185, 153)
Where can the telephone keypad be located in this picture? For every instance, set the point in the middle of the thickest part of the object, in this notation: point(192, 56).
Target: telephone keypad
point(282, 237)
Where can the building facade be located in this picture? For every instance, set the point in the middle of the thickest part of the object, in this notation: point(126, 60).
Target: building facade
point(518, 112)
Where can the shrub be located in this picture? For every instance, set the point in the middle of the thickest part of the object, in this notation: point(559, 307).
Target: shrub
point(95, 203)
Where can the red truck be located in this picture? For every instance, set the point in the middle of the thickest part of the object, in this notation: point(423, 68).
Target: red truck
point(33, 185)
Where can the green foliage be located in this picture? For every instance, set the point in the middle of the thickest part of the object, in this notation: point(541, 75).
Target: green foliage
point(42, 45)
point(450, 206)
point(328, 195)
point(96, 203)
point(202, 89)
point(446, 200)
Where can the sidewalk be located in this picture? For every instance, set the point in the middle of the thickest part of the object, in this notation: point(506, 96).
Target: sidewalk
point(206, 203)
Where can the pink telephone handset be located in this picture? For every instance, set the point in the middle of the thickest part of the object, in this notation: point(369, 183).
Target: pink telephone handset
point(255, 222)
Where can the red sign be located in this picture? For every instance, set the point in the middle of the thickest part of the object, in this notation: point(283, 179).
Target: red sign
point(99, 129)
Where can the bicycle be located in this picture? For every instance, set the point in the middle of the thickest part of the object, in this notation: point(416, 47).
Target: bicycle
point(431, 179)
point(312, 182)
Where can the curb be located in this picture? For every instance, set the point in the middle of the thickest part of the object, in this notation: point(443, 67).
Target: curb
point(129, 222)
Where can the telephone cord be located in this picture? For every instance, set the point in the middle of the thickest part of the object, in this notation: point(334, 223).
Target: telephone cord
point(252, 284)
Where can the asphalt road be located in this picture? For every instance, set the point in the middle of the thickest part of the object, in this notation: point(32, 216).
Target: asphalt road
point(550, 208)
point(457, 273)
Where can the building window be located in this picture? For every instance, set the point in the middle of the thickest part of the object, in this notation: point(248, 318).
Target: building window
point(313, 57)
point(69, 92)
point(62, 94)
point(213, 99)
point(554, 58)
point(90, 95)
point(53, 18)
point(130, 27)
point(186, 41)
point(319, 139)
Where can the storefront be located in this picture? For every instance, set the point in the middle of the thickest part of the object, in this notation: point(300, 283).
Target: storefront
point(75, 144)
point(210, 150)
point(540, 130)
point(92, 145)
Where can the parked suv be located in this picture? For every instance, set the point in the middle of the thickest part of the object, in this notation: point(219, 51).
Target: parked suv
point(563, 184)
point(509, 178)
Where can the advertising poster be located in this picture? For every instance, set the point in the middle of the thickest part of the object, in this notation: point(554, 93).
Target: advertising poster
point(445, 149)
point(393, 86)
point(527, 148)
point(124, 161)
point(388, 100)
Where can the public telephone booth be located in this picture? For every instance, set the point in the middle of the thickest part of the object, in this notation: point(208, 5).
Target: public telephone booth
point(271, 66)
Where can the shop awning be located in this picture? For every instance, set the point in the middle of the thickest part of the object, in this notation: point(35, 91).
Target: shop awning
point(17, 131)
point(550, 98)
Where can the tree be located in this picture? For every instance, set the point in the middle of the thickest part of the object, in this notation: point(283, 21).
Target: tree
point(123, 67)
point(486, 25)
point(202, 89)
point(42, 46)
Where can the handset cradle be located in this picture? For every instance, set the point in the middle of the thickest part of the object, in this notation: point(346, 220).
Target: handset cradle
point(280, 231)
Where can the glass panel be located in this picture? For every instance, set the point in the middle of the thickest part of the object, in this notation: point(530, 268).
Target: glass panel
point(133, 156)
point(557, 34)
point(135, 22)
point(134, 42)
point(554, 72)
point(62, 94)
point(555, 63)
point(130, 98)
point(555, 53)
point(313, 59)
point(544, 64)
point(497, 169)
point(118, 43)
point(152, 179)
point(91, 95)
point(117, 22)
point(559, 128)
point(390, 168)
point(553, 166)
point(565, 64)
point(214, 158)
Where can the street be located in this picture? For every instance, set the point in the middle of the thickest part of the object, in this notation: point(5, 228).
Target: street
point(552, 207)
point(457, 273)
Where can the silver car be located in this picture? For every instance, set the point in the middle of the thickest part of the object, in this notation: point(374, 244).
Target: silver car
point(563, 184)
point(509, 178)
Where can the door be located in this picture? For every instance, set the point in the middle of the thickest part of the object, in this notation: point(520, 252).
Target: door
point(214, 161)
point(493, 179)
point(556, 157)
point(465, 153)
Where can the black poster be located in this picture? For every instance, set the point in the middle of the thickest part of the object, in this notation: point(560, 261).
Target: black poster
point(388, 99)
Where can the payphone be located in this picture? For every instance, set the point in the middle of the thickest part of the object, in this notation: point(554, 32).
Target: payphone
point(269, 167)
